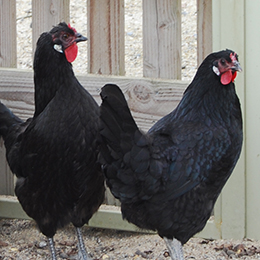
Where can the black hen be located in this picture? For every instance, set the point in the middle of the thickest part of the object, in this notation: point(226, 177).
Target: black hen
point(168, 180)
point(54, 154)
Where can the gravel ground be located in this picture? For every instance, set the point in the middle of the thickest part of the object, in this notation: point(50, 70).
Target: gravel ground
point(20, 239)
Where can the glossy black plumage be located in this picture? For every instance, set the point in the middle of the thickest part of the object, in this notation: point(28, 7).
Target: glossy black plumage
point(54, 154)
point(168, 179)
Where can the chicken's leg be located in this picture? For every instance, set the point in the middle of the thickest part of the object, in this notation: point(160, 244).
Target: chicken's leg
point(83, 255)
point(175, 248)
point(52, 248)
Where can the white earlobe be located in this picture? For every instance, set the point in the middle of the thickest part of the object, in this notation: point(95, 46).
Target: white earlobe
point(216, 70)
point(58, 48)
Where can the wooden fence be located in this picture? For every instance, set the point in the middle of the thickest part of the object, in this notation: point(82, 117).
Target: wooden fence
point(149, 97)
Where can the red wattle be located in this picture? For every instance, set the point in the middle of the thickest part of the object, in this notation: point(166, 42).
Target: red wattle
point(71, 52)
point(234, 76)
point(226, 77)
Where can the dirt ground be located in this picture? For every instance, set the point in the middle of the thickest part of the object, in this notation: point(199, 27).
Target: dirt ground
point(21, 240)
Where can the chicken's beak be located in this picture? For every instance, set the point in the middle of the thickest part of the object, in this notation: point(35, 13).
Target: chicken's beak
point(80, 38)
point(236, 66)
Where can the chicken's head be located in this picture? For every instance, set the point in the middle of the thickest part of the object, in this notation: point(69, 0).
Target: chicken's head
point(65, 39)
point(226, 66)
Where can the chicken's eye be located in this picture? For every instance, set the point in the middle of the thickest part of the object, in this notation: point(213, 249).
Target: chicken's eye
point(223, 61)
point(65, 36)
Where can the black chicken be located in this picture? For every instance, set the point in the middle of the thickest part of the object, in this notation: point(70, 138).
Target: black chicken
point(168, 180)
point(54, 154)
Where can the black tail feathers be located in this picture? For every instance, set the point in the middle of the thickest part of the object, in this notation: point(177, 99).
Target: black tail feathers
point(117, 124)
point(125, 148)
point(114, 102)
point(7, 120)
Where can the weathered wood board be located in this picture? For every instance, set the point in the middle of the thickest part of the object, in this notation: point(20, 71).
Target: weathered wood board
point(148, 99)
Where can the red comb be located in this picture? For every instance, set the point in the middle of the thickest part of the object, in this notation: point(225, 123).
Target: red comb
point(233, 57)
point(72, 28)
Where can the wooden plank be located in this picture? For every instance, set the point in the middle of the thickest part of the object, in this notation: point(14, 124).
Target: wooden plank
point(212, 230)
point(106, 37)
point(46, 14)
point(110, 199)
point(233, 209)
point(106, 217)
point(8, 33)
point(17, 91)
point(148, 99)
point(6, 176)
point(112, 219)
point(204, 29)
point(252, 119)
point(11, 208)
point(162, 39)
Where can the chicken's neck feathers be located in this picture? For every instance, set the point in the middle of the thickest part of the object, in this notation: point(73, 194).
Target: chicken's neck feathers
point(208, 99)
point(205, 101)
point(51, 72)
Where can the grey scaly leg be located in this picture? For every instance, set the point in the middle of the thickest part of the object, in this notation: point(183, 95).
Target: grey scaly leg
point(175, 248)
point(52, 248)
point(83, 255)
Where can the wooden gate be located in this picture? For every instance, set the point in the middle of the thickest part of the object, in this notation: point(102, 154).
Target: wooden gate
point(149, 97)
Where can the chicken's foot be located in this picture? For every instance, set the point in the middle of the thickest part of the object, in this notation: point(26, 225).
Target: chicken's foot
point(175, 248)
point(52, 248)
point(83, 255)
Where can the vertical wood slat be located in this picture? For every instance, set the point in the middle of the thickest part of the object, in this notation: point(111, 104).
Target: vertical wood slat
point(204, 29)
point(8, 33)
point(8, 58)
point(6, 176)
point(229, 32)
point(249, 60)
point(46, 14)
point(162, 39)
point(106, 34)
